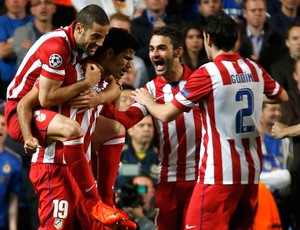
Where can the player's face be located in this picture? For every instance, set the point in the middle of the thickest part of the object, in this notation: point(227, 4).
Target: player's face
point(161, 54)
point(3, 131)
point(91, 38)
point(120, 64)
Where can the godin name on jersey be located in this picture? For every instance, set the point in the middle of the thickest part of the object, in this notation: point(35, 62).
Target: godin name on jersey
point(241, 78)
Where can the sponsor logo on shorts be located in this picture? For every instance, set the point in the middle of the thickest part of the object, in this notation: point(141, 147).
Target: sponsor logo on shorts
point(58, 223)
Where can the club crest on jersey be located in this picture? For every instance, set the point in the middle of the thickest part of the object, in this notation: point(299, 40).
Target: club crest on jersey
point(6, 168)
point(55, 60)
point(58, 223)
point(39, 116)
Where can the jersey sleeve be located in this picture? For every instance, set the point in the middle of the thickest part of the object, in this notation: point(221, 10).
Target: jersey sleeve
point(197, 87)
point(272, 89)
point(54, 55)
point(128, 118)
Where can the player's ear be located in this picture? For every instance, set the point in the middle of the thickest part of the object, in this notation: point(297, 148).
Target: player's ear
point(110, 52)
point(178, 52)
point(79, 28)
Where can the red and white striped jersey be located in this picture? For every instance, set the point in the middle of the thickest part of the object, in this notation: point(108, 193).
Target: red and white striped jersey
point(229, 91)
point(51, 56)
point(179, 140)
point(87, 120)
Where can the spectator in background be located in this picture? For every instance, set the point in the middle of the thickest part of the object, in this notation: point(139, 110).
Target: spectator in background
point(153, 16)
point(15, 17)
point(259, 41)
point(138, 74)
point(132, 8)
point(207, 8)
point(194, 54)
point(136, 198)
point(10, 180)
point(125, 97)
point(276, 156)
point(288, 14)
point(282, 70)
point(139, 151)
point(26, 35)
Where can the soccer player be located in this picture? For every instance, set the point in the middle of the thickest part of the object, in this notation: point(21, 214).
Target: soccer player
point(179, 140)
point(49, 61)
point(229, 92)
point(115, 59)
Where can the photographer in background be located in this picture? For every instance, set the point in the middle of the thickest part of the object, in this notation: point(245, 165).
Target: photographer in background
point(136, 199)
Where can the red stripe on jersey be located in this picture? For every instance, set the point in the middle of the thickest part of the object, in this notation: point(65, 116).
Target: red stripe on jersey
point(237, 67)
point(252, 68)
point(251, 169)
point(236, 164)
point(205, 140)
point(225, 73)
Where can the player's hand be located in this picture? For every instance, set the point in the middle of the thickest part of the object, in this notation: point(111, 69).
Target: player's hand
point(86, 100)
point(114, 87)
point(277, 130)
point(92, 74)
point(31, 144)
point(142, 96)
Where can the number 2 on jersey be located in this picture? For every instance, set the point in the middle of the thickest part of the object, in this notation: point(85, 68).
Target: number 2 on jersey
point(241, 95)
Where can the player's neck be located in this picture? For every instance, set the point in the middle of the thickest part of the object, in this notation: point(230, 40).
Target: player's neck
point(176, 74)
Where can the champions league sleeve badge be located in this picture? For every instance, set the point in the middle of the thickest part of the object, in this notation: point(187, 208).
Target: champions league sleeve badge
point(55, 60)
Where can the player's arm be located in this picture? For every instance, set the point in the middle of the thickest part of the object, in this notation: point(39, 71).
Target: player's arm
point(164, 112)
point(51, 92)
point(24, 109)
point(283, 96)
point(90, 98)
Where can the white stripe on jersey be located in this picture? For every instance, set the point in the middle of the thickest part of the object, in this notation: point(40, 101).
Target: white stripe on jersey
point(168, 168)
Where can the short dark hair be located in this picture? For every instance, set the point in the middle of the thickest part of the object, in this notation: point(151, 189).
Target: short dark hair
point(223, 31)
point(172, 33)
point(92, 14)
point(119, 40)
